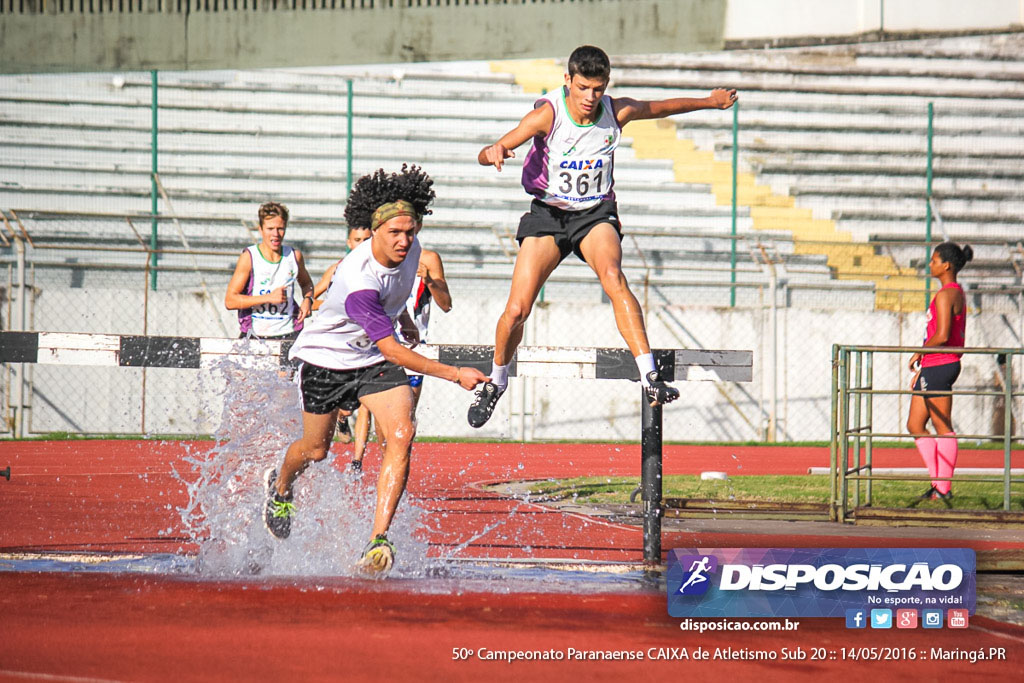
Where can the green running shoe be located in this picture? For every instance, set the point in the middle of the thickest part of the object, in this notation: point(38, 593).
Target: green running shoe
point(279, 510)
point(379, 556)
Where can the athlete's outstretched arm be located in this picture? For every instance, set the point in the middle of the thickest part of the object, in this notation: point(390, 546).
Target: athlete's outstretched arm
point(466, 377)
point(537, 122)
point(325, 282)
point(305, 285)
point(365, 309)
point(235, 300)
point(432, 271)
point(628, 109)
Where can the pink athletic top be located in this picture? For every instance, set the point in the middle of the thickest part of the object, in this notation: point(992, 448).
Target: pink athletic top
point(957, 328)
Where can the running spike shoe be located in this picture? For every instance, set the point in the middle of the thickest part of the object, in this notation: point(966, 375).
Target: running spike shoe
point(658, 392)
point(279, 510)
point(378, 556)
point(483, 407)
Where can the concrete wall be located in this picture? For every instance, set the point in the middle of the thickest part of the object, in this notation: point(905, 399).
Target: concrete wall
point(768, 20)
point(252, 39)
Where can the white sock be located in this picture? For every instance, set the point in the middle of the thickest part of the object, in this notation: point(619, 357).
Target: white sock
point(645, 364)
point(499, 375)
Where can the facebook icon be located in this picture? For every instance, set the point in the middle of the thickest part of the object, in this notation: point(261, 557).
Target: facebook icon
point(856, 618)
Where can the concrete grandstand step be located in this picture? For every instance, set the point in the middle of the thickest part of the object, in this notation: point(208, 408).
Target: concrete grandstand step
point(914, 108)
point(837, 84)
point(78, 118)
point(959, 167)
point(1000, 147)
point(882, 186)
point(842, 122)
point(305, 192)
point(368, 97)
point(878, 204)
point(846, 60)
point(863, 227)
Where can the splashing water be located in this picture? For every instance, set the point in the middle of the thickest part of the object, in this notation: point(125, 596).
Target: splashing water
point(226, 493)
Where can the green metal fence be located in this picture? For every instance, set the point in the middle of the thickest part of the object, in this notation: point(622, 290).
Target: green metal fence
point(854, 392)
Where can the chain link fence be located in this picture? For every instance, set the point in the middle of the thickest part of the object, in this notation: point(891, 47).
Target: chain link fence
point(129, 197)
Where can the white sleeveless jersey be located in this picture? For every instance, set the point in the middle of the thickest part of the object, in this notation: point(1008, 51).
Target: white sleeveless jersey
point(418, 305)
point(334, 339)
point(571, 167)
point(271, 320)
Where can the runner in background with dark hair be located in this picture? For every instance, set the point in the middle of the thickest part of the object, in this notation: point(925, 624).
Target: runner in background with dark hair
point(947, 323)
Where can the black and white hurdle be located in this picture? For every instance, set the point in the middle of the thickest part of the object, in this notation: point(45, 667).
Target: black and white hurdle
point(676, 365)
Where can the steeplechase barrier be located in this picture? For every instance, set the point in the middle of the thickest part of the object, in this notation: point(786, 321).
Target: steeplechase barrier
point(550, 362)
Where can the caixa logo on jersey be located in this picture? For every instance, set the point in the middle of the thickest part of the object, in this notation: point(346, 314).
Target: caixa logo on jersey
point(816, 582)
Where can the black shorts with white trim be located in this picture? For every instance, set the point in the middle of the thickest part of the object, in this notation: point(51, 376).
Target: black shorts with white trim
point(567, 227)
point(324, 390)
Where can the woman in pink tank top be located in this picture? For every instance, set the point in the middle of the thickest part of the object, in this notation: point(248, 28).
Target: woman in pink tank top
point(937, 372)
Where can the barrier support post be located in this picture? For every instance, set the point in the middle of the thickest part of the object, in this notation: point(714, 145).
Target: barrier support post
point(833, 450)
point(1007, 429)
point(650, 478)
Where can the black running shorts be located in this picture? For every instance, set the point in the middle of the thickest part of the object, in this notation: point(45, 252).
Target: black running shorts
point(567, 227)
point(324, 390)
point(938, 377)
point(291, 336)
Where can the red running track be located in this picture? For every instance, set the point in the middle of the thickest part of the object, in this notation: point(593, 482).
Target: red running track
point(117, 496)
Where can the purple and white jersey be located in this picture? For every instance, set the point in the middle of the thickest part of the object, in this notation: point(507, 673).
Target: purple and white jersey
point(571, 167)
point(270, 320)
point(361, 306)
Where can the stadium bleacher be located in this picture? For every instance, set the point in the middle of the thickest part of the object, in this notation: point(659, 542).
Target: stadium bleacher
point(832, 141)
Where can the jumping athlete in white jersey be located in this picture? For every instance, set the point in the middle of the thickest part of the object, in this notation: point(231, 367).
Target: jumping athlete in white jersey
point(570, 173)
point(350, 355)
point(262, 288)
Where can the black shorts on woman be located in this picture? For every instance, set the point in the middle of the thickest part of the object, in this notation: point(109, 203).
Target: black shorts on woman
point(567, 227)
point(324, 390)
point(938, 377)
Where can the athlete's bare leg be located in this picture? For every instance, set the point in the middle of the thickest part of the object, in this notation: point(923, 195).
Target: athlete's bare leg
point(934, 408)
point(602, 251)
point(537, 259)
point(361, 435)
point(392, 411)
point(317, 431)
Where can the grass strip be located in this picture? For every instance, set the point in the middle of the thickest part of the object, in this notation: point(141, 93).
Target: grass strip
point(968, 494)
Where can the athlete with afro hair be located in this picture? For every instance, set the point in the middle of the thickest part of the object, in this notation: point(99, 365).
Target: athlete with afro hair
point(350, 355)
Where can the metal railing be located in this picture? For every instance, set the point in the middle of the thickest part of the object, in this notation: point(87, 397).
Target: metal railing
point(214, 6)
point(853, 430)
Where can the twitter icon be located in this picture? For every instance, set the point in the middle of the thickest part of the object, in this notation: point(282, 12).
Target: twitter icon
point(881, 618)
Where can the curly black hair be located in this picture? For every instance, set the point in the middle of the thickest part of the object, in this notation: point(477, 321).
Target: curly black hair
point(379, 188)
